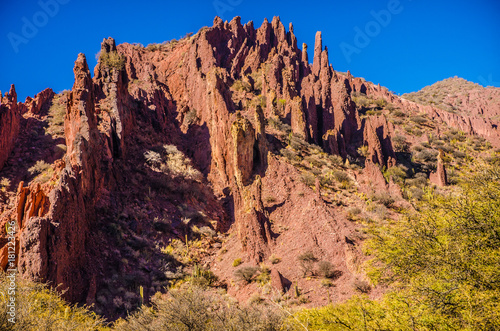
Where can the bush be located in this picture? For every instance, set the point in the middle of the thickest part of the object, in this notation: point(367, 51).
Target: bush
point(112, 60)
point(327, 270)
point(427, 155)
point(40, 308)
point(398, 174)
point(341, 176)
point(308, 179)
point(274, 259)
point(362, 286)
point(400, 144)
point(39, 167)
point(237, 262)
point(246, 273)
point(352, 213)
point(194, 308)
point(399, 113)
point(384, 198)
point(307, 261)
point(418, 119)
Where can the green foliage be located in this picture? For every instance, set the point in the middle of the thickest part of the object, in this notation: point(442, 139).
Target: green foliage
point(446, 257)
point(169, 160)
point(246, 273)
point(381, 103)
point(398, 174)
point(400, 144)
point(308, 179)
point(363, 151)
point(42, 170)
point(327, 270)
point(56, 114)
point(190, 117)
point(242, 86)
point(274, 259)
point(341, 176)
point(194, 308)
point(383, 198)
point(418, 119)
point(39, 308)
point(112, 60)
point(307, 261)
point(39, 167)
point(237, 262)
point(442, 266)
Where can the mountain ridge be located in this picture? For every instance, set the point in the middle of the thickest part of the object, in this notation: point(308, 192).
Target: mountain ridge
point(229, 142)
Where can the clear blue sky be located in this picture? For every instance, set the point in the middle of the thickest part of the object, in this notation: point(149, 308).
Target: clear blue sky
point(420, 43)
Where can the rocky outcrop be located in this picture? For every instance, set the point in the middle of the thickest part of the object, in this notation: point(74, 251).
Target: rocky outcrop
point(439, 177)
point(277, 281)
point(184, 93)
point(377, 137)
point(243, 135)
point(9, 124)
point(40, 104)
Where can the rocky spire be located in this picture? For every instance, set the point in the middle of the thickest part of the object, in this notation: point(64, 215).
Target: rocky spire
point(440, 177)
point(305, 58)
point(318, 48)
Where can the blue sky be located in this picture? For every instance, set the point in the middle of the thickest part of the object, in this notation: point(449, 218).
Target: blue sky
point(401, 44)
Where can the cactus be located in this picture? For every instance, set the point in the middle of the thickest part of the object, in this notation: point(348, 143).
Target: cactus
point(141, 293)
point(296, 290)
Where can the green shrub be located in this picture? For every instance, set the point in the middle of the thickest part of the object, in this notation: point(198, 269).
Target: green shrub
point(383, 198)
point(327, 270)
point(274, 259)
point(308, 179)
point(245, 273)
point(362, 286)
point(398, 174)
point(237, 262)
point(307, 261)
point(341, 176)
point(112, 60)
point(195, 308)
point(399, 113)
point(400, 144)
point(418, 119)
point(40, 308)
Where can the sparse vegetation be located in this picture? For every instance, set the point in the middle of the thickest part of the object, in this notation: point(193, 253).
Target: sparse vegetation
point(193, 308)
point(237, 262)
point(327, 270)
point(40, 308)
point(274, 259)
point(112, 60)
point(307, 261)
point(245, 273)
point(169, 160)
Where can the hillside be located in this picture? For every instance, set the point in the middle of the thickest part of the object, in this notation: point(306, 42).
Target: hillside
point(457, 95)
point(225, 158)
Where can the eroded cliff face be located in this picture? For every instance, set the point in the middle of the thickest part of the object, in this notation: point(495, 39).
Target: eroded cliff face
point(9, 124)
point(118, 190)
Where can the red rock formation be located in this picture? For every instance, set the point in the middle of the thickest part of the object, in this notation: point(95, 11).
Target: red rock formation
point(439, 177)
point(182, 94)
point(40, 103)
point(9, 124)
point(377, 136)
point(277, 281)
